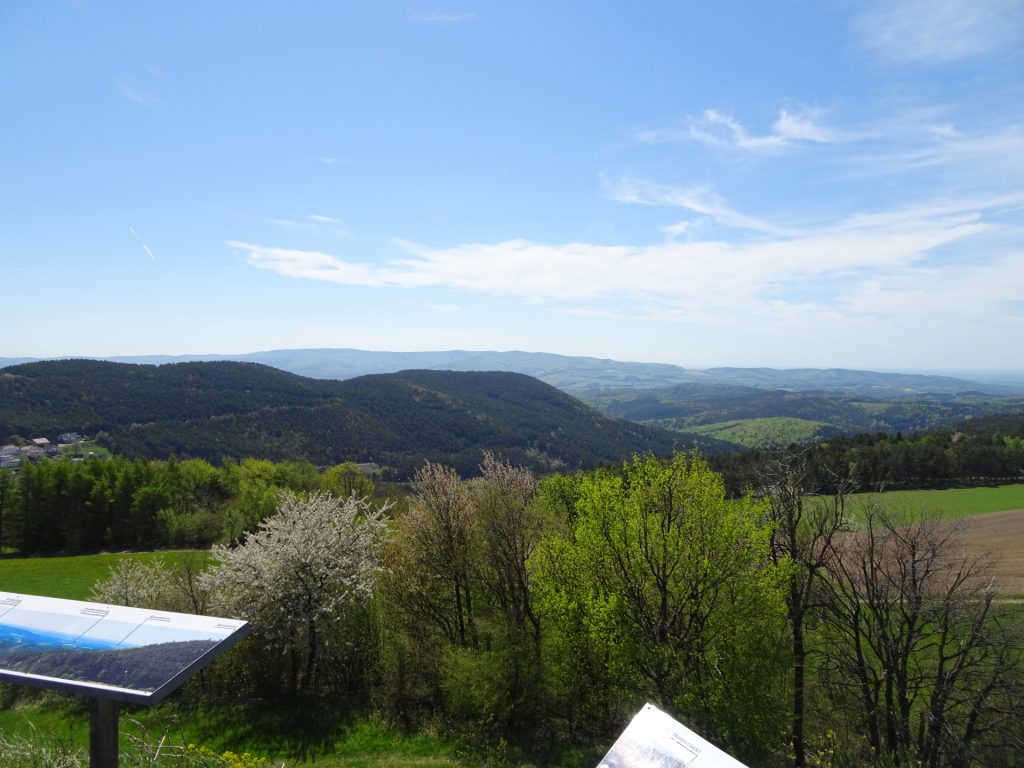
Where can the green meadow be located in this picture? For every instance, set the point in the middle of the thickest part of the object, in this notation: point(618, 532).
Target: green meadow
point(70, 577)
point(762, 433)
point(949, 503)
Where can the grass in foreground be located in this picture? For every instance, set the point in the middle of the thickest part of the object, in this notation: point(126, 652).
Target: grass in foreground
point(53, 731)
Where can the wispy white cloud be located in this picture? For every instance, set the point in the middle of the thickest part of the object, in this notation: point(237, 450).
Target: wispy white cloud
point(940, 30)
point(678, 229)
point(917, 147)
point(314, 223)
point(318, 218)
point(139, 96)
point(863, 266)
point(718, 129)
point(696, 198)
point(311, 265)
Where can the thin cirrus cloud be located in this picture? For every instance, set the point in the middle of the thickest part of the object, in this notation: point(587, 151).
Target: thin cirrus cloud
point(995, 155)
point(139, 96)
point(720, 130)
point(841, 265)
point(699, 199)
point(939, 31)
point(314, 223)
point(446, 18)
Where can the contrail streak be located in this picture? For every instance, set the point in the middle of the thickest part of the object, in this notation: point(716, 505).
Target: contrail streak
point(144, 246)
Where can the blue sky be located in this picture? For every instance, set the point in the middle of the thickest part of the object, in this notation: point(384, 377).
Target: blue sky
point(820, 183)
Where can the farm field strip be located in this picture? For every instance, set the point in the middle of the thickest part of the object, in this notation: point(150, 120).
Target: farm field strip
point(991, 517)
point(948, 503)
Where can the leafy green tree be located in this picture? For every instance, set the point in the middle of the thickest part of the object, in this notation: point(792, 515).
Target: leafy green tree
point(346, 480)
point(675, 586)
point(8, 502)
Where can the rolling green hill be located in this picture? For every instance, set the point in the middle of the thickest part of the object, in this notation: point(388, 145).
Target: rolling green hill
point(757, 418)
point(216, 409)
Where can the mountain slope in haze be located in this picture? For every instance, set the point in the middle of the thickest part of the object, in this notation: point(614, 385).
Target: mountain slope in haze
point(850, 382)
point(570, 374)
point(591, 376)
point(216, 409)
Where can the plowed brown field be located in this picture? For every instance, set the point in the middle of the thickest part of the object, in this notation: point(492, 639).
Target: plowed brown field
point(1001, 535)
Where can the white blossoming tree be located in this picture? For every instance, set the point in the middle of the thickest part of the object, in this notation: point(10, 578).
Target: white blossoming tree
point(301, 570)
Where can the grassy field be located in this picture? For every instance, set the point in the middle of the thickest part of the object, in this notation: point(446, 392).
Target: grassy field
point(68, 577)
point(762, 433)
point(950, 504)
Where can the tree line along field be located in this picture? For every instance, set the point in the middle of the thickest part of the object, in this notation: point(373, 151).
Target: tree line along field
point(72, 577)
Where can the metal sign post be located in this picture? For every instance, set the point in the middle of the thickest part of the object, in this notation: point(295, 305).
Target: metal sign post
point(108, 653)
point(103, 733)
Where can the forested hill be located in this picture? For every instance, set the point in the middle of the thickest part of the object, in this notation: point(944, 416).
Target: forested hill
point(216, 409)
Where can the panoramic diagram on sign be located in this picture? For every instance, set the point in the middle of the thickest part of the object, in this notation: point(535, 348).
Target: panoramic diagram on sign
point(106, 651)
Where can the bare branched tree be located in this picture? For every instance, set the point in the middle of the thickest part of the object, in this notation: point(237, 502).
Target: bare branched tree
point(430, 558)
point(804, 526)
point(509, 531)
point(920, 646)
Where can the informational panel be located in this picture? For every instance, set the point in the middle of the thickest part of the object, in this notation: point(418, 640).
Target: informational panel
point(656, 740)
point(106, 651)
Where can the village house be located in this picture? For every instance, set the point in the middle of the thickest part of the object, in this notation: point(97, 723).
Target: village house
point(32, 452)
point(43, 444)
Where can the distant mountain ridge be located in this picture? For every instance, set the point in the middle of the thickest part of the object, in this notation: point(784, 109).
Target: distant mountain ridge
point(590, 375)
point(216, 409)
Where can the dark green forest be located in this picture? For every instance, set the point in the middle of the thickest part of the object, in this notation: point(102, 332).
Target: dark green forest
point(124, 503)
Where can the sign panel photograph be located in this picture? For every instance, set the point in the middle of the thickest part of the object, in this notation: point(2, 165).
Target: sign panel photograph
point(654, 739)
point(108, 651)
